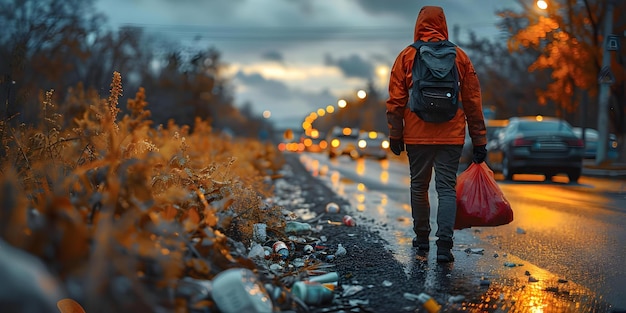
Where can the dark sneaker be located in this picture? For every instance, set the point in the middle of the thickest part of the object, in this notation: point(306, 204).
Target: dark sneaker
point(422, 245)
point(444, 256)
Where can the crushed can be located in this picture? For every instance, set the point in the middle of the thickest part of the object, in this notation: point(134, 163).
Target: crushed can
point(349, 221)
point(281, 248)
point(332, 207)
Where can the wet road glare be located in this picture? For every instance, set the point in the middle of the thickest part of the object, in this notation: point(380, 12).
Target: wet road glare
point(568, 237)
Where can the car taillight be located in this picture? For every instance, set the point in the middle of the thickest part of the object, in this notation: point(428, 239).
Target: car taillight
point(522, 142)
point(575, 143)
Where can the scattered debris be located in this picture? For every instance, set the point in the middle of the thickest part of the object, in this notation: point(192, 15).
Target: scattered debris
point(485, 282)
point(511, 264)
point(456, 299)
point(350, 290)
point(475, 251)
point(332, 207)
point(340, 250)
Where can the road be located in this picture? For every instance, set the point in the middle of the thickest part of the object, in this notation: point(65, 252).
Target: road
point(575, 231)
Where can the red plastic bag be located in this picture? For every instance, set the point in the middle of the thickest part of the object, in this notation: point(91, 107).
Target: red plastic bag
point(479, 200)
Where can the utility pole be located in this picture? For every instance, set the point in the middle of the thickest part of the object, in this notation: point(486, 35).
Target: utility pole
point(605, 84)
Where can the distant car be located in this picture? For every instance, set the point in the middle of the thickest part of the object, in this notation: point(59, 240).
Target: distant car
point(538, 145)
point(314, 144)
point(372, 144)
point(591, 143)
point(342, 141)
point(492, 126)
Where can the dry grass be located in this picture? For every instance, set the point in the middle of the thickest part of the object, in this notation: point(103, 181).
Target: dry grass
point(120, 210)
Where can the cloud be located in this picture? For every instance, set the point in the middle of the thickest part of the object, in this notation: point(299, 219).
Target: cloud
point(293, 56)
point(286, 103)
point(352, 66)
point(279, 91)
point(272, 56)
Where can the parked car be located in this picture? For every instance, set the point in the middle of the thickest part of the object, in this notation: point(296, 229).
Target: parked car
point(591, 143)
point(372, 144)
point(538, 145)
point(467, 154)
point(342, 141)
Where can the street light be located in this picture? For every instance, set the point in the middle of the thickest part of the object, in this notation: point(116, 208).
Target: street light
point(541, 4)
point(342, 103)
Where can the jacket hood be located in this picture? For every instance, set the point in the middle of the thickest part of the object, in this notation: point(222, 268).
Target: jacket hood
point(431, 24)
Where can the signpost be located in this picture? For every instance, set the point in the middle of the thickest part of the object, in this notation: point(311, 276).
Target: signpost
point(605, 79)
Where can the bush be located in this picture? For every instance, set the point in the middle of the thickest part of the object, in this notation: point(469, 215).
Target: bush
point(119, 210)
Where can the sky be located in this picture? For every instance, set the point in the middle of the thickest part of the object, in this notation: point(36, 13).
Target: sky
point(292, 57)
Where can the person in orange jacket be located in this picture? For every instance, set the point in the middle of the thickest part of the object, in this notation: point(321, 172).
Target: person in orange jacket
point(437, 145)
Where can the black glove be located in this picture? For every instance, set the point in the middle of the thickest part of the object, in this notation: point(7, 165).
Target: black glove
point(480, 153)
point(396, 146)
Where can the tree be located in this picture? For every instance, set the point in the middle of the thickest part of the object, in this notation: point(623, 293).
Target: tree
point(569, 41)
point(64, 45)
point(507, 87)
point(40, 42)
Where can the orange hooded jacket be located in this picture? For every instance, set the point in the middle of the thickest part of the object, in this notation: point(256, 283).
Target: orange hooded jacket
point(403, 124)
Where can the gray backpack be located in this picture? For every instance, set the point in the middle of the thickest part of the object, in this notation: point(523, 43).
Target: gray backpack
point(434, 96)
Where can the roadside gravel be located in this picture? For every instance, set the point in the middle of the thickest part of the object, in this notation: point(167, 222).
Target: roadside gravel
point(370, 278)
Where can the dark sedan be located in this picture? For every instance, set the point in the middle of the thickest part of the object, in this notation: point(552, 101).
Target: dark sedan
point(537, 145)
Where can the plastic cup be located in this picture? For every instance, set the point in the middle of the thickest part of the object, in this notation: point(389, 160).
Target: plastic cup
point(239, 290)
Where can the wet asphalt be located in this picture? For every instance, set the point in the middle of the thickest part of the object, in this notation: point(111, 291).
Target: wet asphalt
point(498, 282)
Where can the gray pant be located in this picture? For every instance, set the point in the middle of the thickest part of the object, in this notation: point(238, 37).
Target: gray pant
point(445, 159)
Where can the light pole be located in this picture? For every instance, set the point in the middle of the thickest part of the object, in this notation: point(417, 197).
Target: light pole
point(604, 94)
point(605, 80)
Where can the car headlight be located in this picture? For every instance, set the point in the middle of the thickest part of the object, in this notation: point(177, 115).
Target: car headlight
point(362, 144)
point(385, 144)
point(334, 143)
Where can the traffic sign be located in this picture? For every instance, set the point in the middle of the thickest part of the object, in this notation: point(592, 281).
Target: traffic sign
point(612, 43)
point(605, 76)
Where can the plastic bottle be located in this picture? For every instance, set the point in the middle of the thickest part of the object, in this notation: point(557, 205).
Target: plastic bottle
point(312, 293)
point(349, 221)
point(429, 303)
point(259, 232)
point(281, 248)
point(239, 290)
point(325, 278)
point(293, 227)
